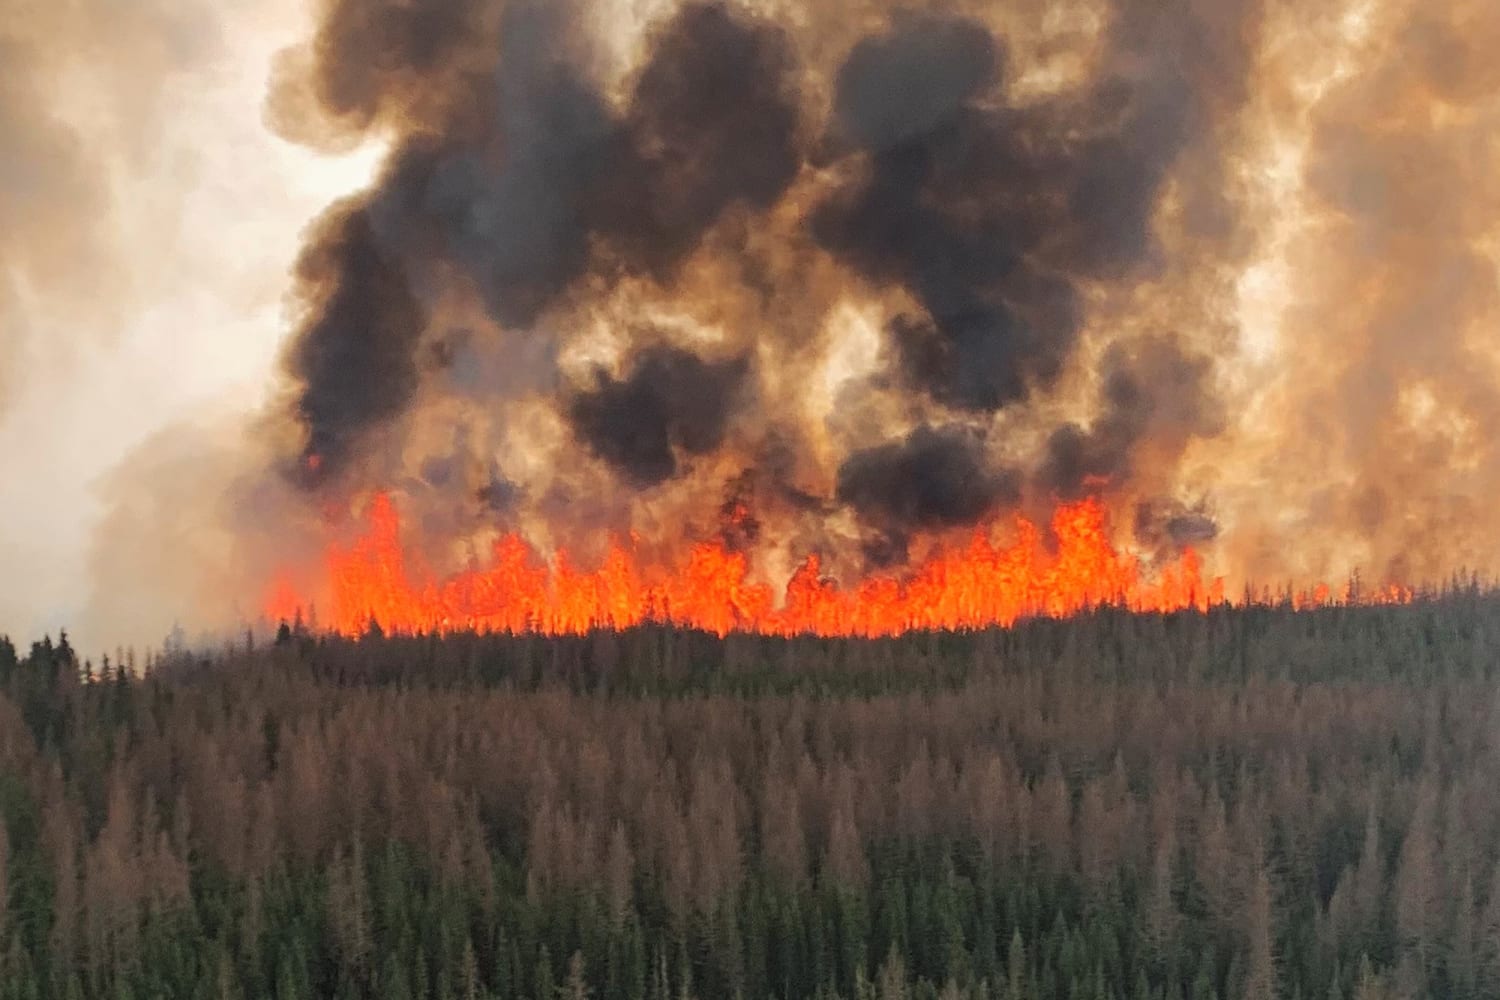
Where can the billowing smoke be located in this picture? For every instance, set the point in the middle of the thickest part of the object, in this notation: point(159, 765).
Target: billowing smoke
point(731, 187)
point(1230, 267)
point(1151, 396)
point(1384, 403)
point(933, 478)
point(564, 205)
point(525, 182)
point(357, 360)
point(672, 403)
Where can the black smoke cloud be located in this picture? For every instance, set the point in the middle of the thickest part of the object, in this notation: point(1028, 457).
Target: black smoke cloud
point(990, 214)
point(355, 360)
point(525, 179)
point(935, 477)
point(1150, 391)
point(671, 402)
point(913, 79)
point(380, 64)
point(907, 98)
point(515, 219)
point(908, 165)
point(712, 122)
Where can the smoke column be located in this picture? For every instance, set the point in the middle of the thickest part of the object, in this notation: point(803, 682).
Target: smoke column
point(892, 272)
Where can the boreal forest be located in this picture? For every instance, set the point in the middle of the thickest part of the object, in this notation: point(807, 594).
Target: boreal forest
point(1246, 803)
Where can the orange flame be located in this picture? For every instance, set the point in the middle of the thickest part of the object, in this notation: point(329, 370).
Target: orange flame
point(971, 585)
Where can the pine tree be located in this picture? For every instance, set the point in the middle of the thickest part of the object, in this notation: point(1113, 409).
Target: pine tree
point(684, 974)
point(1159, 919)
point(1261, 976)
point(1417, 881)
point(395, 984)
point(469, 984)
point(291, 976)
point(1367, 984)
point(421, 974)
point(660, 988)
point(1462, 964)
point(1369, 876)
point(349, 908)
point(576, 986)
point(635, 960)
point(1015, 968)
point(542, 982)
point(503, 959)
point(4, 880)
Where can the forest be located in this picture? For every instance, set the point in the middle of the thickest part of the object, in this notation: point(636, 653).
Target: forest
point(1234, 804)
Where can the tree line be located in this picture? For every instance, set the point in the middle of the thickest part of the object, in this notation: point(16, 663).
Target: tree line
point(1244, 803)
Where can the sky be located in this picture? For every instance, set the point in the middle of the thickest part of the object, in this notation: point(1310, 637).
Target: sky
point(153, 220)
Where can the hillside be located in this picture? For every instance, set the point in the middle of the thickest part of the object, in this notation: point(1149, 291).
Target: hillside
point(1250, 802)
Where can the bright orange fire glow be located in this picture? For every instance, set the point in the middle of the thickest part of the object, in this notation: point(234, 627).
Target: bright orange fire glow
point(971, 585)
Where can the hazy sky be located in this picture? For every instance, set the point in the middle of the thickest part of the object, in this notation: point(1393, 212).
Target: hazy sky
point(151, 220)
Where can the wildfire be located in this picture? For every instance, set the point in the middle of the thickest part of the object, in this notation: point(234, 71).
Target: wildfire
point(977, 584)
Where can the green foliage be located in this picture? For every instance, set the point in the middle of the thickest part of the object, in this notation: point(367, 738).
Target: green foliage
point(1073, 810)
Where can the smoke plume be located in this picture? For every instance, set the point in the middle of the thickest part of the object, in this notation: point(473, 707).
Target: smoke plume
point(1230, 267)
point(933, 478)
point(673, 402)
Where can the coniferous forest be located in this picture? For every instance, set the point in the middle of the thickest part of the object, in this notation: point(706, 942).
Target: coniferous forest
point(1245, 803)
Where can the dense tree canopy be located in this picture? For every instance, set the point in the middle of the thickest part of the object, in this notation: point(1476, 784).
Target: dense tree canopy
point(1246, 803)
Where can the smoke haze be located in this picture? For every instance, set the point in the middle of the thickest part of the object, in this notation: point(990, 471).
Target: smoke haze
point(1230, 267)
point(136, 289)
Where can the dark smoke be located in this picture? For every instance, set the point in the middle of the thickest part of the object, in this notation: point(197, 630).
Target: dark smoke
point(1010, 197)
point(671, 402)
point(355, 357)
point(510, 201)
point(1164, 526)
point(1149, 391)
point(379, 63)
point(990, 214)
point(492, 179)
point(913, 80)
point(936, 477)
point(712, 122)
point(736, 177)
point(522, 170)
